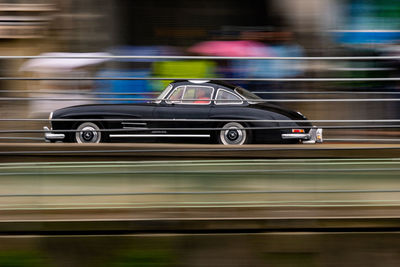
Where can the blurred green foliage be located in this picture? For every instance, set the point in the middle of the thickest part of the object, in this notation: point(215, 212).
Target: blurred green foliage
point(144, 258)
point(11, 258)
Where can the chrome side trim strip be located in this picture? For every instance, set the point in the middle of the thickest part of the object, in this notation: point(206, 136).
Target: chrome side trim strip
point(135, 128)
point(134, 123)
point(159, 135)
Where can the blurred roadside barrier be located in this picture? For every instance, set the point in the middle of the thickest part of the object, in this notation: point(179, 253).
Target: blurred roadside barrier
point(162, 185)
point(302, 97)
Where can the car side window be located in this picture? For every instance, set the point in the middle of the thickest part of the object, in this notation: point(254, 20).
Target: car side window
point(199, 95)
point(225, 97)
point(176, 95)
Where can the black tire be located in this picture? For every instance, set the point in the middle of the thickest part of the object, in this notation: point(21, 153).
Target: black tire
point(88, 132)
point(233, 133)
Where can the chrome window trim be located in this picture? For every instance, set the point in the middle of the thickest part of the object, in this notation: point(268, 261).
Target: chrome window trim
point(254, 101)
point(226, 102)
point(180, 102)
point(172, 92)
point(168, 89)
point(197, 86)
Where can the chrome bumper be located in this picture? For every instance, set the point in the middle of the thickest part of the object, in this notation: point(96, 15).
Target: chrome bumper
point(49, 136)
point(314, 136)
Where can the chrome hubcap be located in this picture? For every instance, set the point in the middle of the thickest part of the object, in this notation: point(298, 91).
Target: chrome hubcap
point(233, 133)
point(88, 133)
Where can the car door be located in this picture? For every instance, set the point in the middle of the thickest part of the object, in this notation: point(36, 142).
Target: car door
point(187, 108)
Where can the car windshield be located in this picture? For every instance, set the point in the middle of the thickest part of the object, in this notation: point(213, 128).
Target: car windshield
point(247, 95)
point(163, 94)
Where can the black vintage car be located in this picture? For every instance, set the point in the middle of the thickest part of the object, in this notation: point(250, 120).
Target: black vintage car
point(209, 110)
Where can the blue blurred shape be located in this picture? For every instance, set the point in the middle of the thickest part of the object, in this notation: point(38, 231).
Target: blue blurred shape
point(124, 86)
point(368, 37)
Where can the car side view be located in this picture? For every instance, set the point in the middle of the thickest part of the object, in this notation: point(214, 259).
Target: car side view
point(214, 111)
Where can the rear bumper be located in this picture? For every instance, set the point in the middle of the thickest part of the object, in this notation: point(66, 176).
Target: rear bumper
point(49, 136)
point(312, 137)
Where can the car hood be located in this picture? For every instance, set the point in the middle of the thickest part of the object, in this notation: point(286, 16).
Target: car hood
point(98, 109)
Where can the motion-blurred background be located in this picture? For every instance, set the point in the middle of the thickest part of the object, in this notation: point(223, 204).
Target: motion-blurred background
point(306, 28)
point(308, 207)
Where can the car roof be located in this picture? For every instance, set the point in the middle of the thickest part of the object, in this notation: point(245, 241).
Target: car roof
point(216, 82)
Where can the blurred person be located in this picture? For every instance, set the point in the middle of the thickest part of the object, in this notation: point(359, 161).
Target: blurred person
point(276, 44)
point(201, 97)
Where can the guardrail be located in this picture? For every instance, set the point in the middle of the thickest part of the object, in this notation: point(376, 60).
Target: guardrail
point(160, 58)
point(266, 184)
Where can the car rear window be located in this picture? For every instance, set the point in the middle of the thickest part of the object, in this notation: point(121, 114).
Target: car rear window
point(227, 98)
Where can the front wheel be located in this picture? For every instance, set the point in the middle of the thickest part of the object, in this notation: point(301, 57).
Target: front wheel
point(233, 133)
point(88, 132)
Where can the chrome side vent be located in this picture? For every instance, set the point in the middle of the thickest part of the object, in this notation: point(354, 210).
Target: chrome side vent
point(134, 125)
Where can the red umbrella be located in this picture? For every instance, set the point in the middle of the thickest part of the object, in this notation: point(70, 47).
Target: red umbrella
point(230, 48)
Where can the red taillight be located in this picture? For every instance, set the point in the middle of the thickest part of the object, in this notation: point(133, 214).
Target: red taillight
point(297, 130)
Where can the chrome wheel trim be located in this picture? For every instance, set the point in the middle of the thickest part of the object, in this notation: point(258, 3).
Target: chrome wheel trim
point(88, 132)
point(233, 133)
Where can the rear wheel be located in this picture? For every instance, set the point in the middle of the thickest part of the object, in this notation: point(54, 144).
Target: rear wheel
point(233, 133)
point(88, 132)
